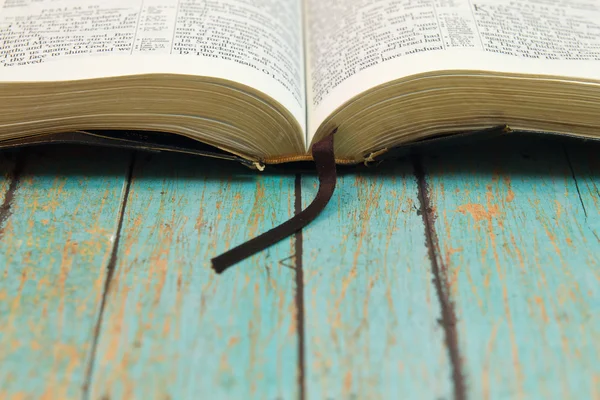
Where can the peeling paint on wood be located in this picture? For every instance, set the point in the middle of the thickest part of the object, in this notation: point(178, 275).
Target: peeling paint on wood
point(174, 329)
point(372, 313)
point(54, 247)
point(517, 239)
point(523, 267)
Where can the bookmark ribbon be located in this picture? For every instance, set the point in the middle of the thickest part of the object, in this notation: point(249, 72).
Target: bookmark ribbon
point(324, 158)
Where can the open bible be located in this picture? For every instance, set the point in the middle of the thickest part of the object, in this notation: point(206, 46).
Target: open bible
point(263, 80)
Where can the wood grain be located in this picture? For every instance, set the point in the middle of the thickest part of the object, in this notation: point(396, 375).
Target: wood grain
point(372, 313)
point(522, 267)
point(173, 329)
point(53, 251)
point(517, 228)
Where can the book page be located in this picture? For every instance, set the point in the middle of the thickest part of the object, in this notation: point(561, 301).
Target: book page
point(355, 45)
point(258, 43)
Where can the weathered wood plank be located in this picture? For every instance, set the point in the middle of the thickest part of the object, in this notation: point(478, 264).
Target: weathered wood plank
point(54, 249)
point(522, 268)
point(172, 328)
point(371, 308)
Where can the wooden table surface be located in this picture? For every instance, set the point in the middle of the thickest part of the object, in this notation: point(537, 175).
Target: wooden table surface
point(468, 274)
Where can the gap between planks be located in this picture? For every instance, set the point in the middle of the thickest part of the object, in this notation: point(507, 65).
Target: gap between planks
point(299, 295)
point(110, 270)
point(440, 281)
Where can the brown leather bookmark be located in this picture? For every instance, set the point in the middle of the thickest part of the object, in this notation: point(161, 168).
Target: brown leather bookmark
point(323, 156)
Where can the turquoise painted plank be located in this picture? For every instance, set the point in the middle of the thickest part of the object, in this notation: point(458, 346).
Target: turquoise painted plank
point(371, 308)
point(53, 253)
point(172, 328)
point(522, 269)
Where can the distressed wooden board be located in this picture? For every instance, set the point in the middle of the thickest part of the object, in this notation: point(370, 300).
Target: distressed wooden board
point(172, 329)
point(372, 328)
point(522, 268)
point(54, 247)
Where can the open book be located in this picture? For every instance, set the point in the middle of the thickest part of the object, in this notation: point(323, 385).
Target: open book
point(266, 79)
